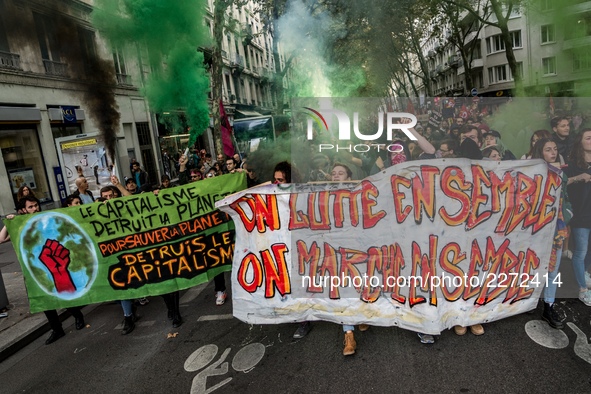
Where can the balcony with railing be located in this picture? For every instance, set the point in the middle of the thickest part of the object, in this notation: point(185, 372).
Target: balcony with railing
point(123, 79)
point(55, 68)
point(10, 60)
point(237, 60)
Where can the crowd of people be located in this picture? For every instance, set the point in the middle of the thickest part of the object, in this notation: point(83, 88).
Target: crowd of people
point(567, 153)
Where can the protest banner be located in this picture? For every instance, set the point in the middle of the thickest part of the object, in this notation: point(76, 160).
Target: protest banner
point(128, 247)
point(425, 245)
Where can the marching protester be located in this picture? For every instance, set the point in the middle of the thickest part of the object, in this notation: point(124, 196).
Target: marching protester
point(492, 138)
point(140, 176)
point(219, 280)
point(129, 315)
point(29, 204)
point(579, 192)
point(547, 150)
point(82, 191)
point(537, 135)
point(562, 136)
point(342, 173)
point(171, 300)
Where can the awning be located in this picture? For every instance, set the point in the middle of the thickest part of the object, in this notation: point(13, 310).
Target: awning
point(242, 113)
point(20, 114)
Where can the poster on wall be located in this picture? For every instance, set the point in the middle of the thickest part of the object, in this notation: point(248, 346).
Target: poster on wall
point(22, 177)
point(84, 155)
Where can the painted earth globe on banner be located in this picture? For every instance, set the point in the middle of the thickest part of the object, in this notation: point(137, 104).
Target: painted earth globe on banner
point(59, 255)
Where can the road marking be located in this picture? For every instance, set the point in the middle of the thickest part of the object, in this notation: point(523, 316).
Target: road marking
point(192, 293)
point(541, 333)
point(248, 357)
point(201, 357)
point(215, 317)
point(582, 346)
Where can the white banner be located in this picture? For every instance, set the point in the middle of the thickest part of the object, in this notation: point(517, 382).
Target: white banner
point(425, 246)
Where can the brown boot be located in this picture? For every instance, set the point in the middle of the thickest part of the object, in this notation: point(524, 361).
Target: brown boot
point(350, 344)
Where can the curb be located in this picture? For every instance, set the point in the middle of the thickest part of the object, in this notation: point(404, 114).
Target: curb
point(37, 331)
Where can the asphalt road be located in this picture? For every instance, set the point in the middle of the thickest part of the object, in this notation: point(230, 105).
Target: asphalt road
point(214, 352)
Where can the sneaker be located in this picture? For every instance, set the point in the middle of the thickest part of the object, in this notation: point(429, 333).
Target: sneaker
point(477, 329)
point(426, 338)
point(588, 279)
point(459, 330)
point(363, 327)
point(303, 330)
point(350, 344)
point(552, 317)
point(143, 301)
point(585, 297)
point(220, 297)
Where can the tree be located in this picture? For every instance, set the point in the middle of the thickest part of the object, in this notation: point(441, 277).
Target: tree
point(502, 10)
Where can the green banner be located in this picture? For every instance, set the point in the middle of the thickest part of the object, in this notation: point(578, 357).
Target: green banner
point(128, 247)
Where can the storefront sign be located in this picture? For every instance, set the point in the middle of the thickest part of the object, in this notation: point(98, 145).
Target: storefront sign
point(69, 114)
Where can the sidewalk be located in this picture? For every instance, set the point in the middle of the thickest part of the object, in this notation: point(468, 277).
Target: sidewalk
point(20, 327)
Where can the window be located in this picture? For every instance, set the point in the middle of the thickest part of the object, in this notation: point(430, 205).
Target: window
point(581, 61)
point(496, 44)
point(119, 61)
point(516, 38)
point(3, 38)
point(546, 5)
point(519, 69)
point(477, 52)
point(503, 73)
point(548, 34)
point(120, 69)
point(48, 41)
point(549, 65)
point(498, 74)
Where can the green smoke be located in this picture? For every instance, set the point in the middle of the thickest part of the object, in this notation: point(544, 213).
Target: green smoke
point(171, 33)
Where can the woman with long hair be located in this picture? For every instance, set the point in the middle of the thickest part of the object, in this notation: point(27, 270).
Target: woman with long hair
point(537, 135)
point(547, 150)
point(23, 191)
point(579, 190)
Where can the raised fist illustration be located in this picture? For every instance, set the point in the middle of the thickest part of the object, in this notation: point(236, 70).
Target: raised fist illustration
point(57, 258)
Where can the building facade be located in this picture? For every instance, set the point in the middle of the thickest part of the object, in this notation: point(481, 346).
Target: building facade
point(51, 95)
point(553, 58)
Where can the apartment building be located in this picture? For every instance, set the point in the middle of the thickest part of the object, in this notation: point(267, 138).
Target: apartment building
point(249, 65)
point(59, 87)
point(51, 117)
point(553, 58)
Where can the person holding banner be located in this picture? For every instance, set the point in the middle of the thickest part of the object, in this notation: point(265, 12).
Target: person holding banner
point(219, 280)
point(341, 173)
point(27, 205)
point(547, 150)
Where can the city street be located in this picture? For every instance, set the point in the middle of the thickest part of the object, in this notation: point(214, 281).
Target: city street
point(212, 351)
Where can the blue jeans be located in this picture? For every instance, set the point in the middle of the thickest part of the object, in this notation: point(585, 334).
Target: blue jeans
point(347, 327)
point(581, 238)
point(550, 290)
point(127, 306)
